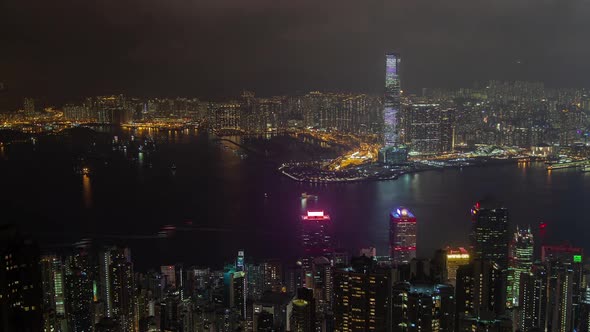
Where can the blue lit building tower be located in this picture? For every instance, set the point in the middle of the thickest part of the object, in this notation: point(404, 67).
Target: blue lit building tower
point(402, 236)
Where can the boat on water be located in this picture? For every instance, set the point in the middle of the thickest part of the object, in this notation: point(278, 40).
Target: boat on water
point(585, 168)
point(308, 196)
point(173, 167)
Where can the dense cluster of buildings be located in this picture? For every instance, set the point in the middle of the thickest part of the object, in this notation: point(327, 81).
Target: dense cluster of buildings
point(515, 114)
point(503, 281)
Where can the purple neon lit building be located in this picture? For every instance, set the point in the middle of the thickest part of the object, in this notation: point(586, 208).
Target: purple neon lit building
point(391, 100)
point(402, 235)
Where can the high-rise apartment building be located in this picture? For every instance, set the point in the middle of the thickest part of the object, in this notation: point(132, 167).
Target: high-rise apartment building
point(423, 307)
point(362, 294)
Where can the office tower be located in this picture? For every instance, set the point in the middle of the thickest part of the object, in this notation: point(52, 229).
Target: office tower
point(104, 272)
point(522, 248)
point(180, 277)
point(490, 232)
point(423, 307)
point(294, 278)
point(20, 283)
point(52, 274)
point(240, 265)
point(402, 236)
point(302, 319)
point(110, 109)
point(317, 235)
point(273, 275)
point(304, 316)
point(29, 106)
point(225, 116)
point(584, 325)
point(235, 292)
point(455, 257)
point(391, 100)
point(79, 291)
point(122, 290)
point(273, 312)
point(77, 113)
point(447, 129)
point(560, 309)
point(424, 128)
point(480, 296)
point(322, 283)
point(255, 280)
point(533, 299)
point(169, 275)
point(565, 286)
point(362, 295)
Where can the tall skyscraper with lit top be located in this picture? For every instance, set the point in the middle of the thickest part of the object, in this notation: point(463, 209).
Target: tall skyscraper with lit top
point(317, 234)
point(402, 235)
point(391, 100)
point(521, 261)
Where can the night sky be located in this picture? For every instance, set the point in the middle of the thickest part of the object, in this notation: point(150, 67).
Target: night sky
point(61, 49)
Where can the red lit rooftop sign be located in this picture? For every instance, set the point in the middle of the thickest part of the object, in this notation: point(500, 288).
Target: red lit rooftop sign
point(315, 213)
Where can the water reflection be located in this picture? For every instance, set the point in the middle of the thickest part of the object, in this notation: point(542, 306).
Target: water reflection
point(87, 191)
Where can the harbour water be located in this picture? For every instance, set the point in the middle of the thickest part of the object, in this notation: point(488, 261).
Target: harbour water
point(219, 202)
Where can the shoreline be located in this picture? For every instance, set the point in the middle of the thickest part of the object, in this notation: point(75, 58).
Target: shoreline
point(480, 163)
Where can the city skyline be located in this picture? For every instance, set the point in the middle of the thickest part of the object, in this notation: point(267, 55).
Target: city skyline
point(274, 166)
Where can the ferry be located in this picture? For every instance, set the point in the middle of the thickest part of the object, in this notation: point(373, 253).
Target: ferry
point(308, 196)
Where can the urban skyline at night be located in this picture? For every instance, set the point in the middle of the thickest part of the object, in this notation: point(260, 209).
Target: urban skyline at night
point(276, 166)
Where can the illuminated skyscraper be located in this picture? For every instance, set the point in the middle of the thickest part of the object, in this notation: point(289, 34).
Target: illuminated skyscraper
point(20, 282)
point(402, 235)
point(53, 292)
point(29, 106)
point(235, 290)
point(480, 297)
point(317, 234)
point(428, 128)
point(490, 232)
point(423, 307)
point(522, 259)
point(391, 101)
point(79, 291)
point(302, 318)
point(455, 258)
point(122, 289)
point(362, 294)
point(565, 285)
point(424, 132)
point(533, 299)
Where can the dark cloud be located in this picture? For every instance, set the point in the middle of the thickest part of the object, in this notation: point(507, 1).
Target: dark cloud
point(216, 48)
